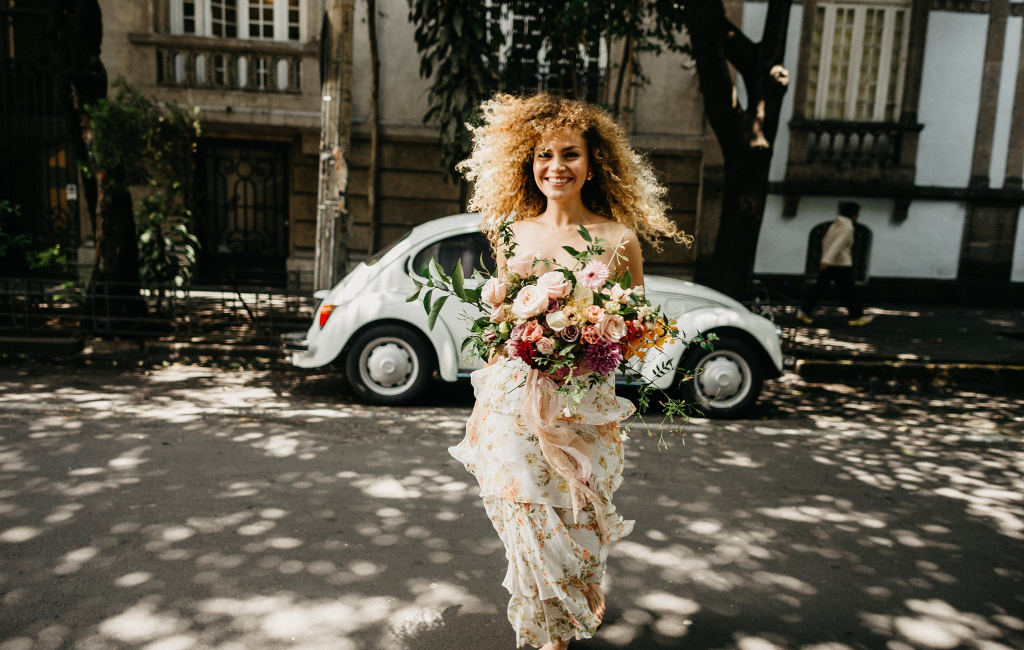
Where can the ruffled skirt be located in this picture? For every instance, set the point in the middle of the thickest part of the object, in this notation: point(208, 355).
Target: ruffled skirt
point(551, 558)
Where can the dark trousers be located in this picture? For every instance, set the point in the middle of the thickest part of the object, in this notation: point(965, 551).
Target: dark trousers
point(843, 277)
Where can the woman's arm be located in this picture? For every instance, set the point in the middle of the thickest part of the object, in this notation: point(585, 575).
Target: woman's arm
point(634, 257)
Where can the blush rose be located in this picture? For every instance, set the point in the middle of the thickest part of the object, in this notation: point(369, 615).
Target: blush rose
point(530, 301)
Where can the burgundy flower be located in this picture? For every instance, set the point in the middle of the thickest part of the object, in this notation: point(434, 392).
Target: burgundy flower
point(554, 305)
point(570, 333)
point(519, 350)
point(603, 357)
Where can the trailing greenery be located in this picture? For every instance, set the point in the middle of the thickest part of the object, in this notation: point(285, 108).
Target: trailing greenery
point(134, 141)
point(460, 43)
point(458, 47)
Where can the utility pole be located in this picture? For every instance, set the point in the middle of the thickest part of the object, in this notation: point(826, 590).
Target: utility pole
point(333, 221)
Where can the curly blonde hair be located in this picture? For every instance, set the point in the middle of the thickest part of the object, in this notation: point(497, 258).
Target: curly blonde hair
point(624, 187)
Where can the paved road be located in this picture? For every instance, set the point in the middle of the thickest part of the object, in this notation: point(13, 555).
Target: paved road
point(187, 508)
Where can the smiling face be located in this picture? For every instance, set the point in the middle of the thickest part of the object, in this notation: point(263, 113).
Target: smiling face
point(561, 164)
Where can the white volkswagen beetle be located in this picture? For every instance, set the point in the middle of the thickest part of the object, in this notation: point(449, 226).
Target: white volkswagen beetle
point(390, 355)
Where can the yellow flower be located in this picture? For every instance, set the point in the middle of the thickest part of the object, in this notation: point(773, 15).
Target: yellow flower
point(563, 487)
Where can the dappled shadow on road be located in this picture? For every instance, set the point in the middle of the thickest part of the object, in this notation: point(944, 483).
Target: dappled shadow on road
point(159, 511)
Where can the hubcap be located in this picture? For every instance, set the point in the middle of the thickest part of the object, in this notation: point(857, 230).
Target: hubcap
point(724, 379)
point(388, 365)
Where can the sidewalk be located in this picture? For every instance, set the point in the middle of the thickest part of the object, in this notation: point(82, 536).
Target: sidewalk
point(934, 343)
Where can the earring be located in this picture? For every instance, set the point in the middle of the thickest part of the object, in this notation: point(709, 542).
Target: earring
point(589, 176)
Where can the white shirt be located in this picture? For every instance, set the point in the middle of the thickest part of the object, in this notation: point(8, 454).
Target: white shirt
point(837, 242)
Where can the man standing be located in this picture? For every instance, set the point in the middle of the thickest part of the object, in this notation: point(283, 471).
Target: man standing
point(837, 266)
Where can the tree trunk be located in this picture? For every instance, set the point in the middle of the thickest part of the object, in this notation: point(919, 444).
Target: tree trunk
point(731, 270)
point(746, 134)
point(333, 219)
point(115, 276)
point(374, 171)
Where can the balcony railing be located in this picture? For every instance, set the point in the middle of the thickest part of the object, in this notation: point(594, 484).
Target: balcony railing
point(227, 64)
point(855, 151)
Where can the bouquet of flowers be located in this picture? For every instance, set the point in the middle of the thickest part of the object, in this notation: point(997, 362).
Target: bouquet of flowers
point(577, 326)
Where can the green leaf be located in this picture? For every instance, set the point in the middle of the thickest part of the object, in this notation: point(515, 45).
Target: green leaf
point(458, 282)
point(426, 301)
point(585, 234)
point(626, 279)
point(416, 294)
point(435, 311)
point(572, 251)
point(457, 24)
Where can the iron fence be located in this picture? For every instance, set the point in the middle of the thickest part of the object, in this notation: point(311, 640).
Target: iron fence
point(40, 307)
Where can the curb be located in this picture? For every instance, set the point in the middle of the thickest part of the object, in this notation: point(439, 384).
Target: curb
point(78, 351)
point(909, 371)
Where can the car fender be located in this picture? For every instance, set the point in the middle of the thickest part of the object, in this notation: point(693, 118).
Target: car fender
point(328, 343)
point(701, 321)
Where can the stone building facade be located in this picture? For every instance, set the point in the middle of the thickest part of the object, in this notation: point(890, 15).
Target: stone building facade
point(252, 67)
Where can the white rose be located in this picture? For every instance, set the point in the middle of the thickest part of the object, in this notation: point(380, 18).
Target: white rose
point(618, 294)
point(555, 284)
point(530, 301)
point(557, 321)
point(583, 296)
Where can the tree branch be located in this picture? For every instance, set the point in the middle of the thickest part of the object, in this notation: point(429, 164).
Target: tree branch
point(773, 43)
point(741, 52)
point(705, 22)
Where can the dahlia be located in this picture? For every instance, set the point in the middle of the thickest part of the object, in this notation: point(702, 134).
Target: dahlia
point(603, 357)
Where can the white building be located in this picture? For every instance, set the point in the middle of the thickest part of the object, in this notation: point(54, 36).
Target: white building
point(915, 109)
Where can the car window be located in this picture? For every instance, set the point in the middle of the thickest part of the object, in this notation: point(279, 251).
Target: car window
point(387, 249)
point(447, 252)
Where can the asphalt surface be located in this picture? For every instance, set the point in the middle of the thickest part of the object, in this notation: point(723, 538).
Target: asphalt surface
point(187, 508)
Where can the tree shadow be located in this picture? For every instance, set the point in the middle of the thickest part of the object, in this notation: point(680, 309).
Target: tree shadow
point(194, 508)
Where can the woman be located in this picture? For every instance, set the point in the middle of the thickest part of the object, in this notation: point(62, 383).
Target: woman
point(552, 165)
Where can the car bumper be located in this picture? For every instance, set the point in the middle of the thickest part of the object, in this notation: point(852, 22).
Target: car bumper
point(294, 342)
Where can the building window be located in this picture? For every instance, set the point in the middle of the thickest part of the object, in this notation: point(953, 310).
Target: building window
point(188, 9)
point(261, 19)
point(857, 61)
point(224, 18)
point(272, 20)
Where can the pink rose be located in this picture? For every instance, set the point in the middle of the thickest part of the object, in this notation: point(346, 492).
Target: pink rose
point(522, 264)
point(590, 335)
point(530, 301)
point(570, 333)
point(545, 345)
point(593, 275)
point(611, 328)
point(555, 284)
point(517, 333)
point(532, 331)
point(594, 313)
point(498, 313)
point(493, 292)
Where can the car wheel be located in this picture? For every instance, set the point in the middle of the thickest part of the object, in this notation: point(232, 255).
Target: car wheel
point(726, 381)
point(389, 365)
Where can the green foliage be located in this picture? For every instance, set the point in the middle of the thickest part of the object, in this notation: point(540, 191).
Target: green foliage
point(134, 141)
point(458, 47)
point(22, 251)
point(167, 251)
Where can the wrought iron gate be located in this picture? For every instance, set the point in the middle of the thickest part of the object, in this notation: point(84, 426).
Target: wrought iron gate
point(242, 223)
point(37, 153)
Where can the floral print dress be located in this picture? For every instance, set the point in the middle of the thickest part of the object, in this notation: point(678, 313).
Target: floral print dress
point(551, 557)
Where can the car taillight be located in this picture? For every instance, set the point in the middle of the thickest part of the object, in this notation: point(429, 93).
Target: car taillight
point(325, 313)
